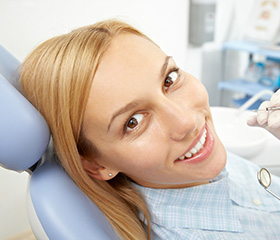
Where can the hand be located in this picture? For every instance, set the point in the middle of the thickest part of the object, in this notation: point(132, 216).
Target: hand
point(270, 120)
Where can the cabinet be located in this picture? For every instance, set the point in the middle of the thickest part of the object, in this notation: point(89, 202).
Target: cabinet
point(240, 85)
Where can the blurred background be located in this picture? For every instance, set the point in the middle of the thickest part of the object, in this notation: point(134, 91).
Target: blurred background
point(231, 46)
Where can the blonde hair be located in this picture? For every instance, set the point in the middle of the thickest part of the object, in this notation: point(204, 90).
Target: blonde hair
point(56, 77)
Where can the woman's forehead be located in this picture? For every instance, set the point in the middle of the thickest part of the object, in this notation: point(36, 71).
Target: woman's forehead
point(130, 61)
point(130, 51)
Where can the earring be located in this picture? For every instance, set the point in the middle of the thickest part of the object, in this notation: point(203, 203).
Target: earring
point(110, 174)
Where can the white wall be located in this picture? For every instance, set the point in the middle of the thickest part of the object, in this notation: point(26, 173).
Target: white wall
point(26, 23)
point(13, 215)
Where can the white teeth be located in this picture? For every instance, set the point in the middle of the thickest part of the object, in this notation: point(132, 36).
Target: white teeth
point(193, 150)
point(199, 145)
point(202, 140)
point(196, 148)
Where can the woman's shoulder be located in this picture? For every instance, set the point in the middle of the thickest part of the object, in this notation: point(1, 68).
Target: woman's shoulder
point(237, 165)
point(241, 169)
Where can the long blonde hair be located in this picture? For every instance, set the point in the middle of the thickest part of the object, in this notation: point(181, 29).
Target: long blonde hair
point(56, 77)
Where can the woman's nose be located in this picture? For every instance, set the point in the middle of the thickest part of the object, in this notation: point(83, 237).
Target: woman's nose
point(180, 120)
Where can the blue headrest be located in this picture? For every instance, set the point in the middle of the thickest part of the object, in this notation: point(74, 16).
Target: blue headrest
point(9, 67)
point(64, 211)
point(24, 134)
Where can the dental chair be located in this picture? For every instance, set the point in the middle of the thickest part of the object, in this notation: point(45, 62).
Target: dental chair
point(57, 208)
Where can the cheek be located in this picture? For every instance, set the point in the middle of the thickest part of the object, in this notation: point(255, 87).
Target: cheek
point(193, 92)
point(141, 156)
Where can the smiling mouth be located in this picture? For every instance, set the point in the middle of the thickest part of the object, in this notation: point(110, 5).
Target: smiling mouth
point(196, 149)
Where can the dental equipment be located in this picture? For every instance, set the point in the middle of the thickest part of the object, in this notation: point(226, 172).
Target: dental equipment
point(267, 109)
point(264, 178)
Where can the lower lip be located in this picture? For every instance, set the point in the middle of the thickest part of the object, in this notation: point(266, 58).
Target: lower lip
point(204, 153)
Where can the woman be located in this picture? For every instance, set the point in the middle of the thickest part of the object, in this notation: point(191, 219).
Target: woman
point(124, 120)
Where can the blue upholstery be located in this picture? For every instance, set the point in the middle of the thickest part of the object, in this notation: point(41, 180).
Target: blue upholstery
point(24, 134)
point(62, 209)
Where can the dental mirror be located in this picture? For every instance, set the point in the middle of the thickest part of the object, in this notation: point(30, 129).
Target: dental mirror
point(264, 177)
point(265, 180)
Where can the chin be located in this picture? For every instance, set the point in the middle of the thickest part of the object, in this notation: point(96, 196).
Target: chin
point(219, 159)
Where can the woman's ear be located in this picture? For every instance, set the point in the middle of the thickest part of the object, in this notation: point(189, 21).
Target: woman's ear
point(95, 170)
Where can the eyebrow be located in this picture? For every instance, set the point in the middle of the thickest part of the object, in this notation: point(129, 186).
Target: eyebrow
point(136, 102)
point(164, 66)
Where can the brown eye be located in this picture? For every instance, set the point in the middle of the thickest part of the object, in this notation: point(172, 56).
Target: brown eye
point(168, 82)
point(171, 78)
point(134, 121)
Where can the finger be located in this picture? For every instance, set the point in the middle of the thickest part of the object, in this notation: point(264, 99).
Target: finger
point(262, 116)
point(252, 121)
point(274, 120)
point(275, 99)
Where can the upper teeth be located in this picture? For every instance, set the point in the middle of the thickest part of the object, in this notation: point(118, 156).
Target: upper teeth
point(196, 148)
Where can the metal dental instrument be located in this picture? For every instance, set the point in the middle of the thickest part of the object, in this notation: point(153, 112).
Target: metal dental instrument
point(265, 180)
point(267, 109)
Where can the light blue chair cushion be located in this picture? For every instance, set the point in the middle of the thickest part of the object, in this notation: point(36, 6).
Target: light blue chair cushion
point(24, 134)
point(64, 211)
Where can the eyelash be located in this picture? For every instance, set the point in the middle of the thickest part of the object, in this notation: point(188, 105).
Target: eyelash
point(176, 70)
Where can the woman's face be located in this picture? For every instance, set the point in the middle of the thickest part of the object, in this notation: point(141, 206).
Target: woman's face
point(149, 119)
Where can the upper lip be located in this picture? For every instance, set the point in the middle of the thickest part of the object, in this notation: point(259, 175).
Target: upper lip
point(197, 138)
